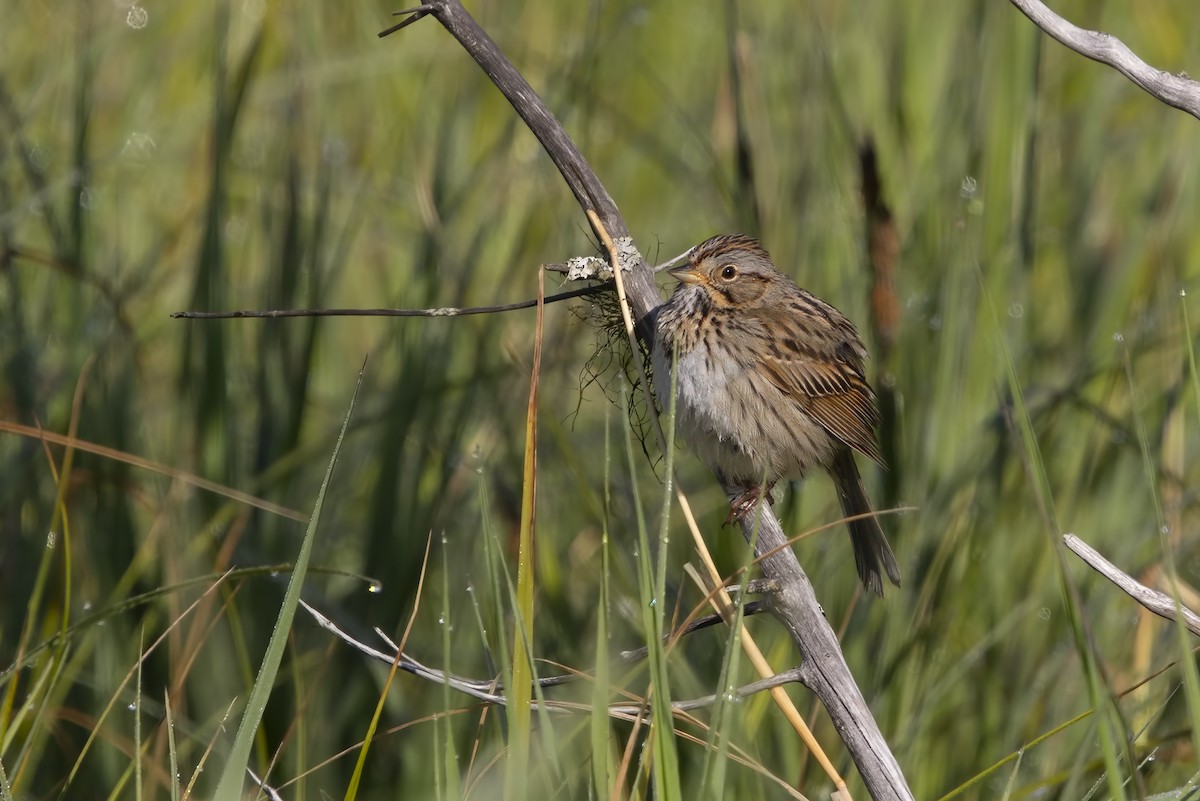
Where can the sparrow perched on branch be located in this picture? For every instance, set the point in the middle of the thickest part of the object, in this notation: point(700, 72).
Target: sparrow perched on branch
point(770, 384)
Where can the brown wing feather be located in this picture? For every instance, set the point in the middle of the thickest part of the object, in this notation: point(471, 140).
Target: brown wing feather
point(821, 368)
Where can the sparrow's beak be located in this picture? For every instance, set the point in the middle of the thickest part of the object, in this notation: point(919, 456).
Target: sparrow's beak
point(685, 274)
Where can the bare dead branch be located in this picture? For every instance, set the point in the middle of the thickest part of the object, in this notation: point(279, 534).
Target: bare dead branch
point(827, 674)
point(1178, 91)
point(575, 170)
point(417, 13)
point(794, 603)
point(1157, 602)
point(485, 690)
point(752, 608)
point(446, 311)
point(793, 676)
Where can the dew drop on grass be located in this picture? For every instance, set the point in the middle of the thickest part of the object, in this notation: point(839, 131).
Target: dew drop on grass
point(1044, 613)
point(1164, 530)
point(1016, 310)
point(137, 18)
point(334, 151)
point(376, 586)
point(1118, 337)
point(138, 146)
point(1183, 293)
point(87, 606)
point(38, 157)
point(935, 322)
point(51, 539)
point(234, 230)
point(969, 188)
point(441, 620)
point(131, 707)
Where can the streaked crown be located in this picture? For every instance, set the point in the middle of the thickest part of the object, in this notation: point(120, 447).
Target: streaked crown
point(730, 246)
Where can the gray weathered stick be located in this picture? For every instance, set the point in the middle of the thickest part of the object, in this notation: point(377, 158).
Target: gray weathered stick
point(582, 180)
point(1157, 602)
point(1179, 91)
point(824, 669)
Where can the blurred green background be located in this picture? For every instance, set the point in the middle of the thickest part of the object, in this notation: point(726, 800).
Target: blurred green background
point(250, 155)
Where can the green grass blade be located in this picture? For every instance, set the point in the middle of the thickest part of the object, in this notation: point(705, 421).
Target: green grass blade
point(233, 775)
point(137, 723)
point(1108, 723)
point(172, 751)
point(519, 690)
point(1191, 677)
point(665, 768)
point(451, 788)
point(602, 774)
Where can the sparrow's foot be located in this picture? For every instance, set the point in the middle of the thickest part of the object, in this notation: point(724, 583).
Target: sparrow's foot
point(747, 502)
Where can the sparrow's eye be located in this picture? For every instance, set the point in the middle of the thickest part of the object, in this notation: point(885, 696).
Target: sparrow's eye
point(729, 272)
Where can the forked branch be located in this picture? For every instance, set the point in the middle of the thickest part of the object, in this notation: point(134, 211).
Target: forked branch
point(794, 603)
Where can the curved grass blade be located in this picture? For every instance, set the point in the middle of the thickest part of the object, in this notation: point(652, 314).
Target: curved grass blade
point(233, 775)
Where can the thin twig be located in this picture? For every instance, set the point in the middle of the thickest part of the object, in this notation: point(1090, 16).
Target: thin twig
point(1178, 91)
point(484, 689)
point(1157, 602)
point(417, 13)
point(792, 676)
point(752, 608)
point(446, 311)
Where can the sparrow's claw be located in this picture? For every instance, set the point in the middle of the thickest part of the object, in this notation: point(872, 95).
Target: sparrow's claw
point(747, 502)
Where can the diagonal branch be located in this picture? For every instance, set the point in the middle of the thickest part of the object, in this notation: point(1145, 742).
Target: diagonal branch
point(794, 603)
point(1157, 602)
point(1179, 91)
point(489, 691)
point(575, 170)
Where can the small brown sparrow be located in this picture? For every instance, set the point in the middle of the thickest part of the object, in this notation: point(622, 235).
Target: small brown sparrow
point(770, 384)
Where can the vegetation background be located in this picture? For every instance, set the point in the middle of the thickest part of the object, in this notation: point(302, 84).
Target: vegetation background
point(248, 155)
